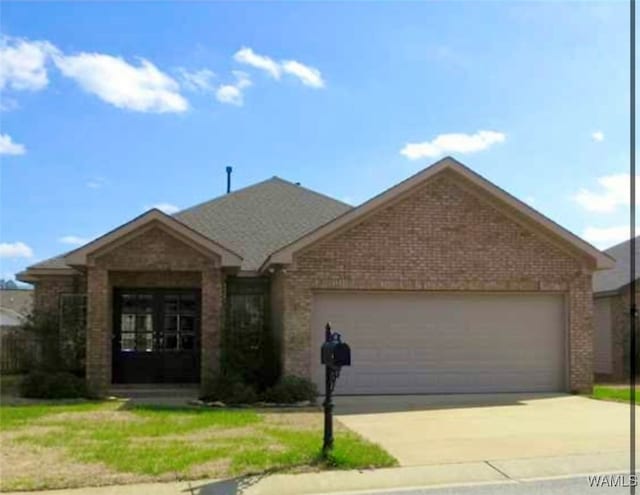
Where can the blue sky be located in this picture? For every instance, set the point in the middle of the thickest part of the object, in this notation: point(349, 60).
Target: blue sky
point(110, 108)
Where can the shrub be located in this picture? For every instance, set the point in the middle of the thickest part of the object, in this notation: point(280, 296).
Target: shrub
point(60, 340)
point(58, 385)
point(250, 354)
point(241, 393)
point(231, 389)
point(291, 389)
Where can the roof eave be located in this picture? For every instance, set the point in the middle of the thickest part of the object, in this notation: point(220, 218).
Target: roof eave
point(33, 274)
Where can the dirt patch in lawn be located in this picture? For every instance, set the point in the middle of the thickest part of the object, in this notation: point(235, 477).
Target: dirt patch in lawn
point(307, 421)
point(298, 420)
point(212, 469)
point(35, 430)
point(20, 463)
point(108, 416)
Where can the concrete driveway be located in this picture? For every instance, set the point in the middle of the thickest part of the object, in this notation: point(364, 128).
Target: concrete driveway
point(422, 430)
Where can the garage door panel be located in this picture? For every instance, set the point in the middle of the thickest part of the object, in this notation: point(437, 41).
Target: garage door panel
point(445, 342)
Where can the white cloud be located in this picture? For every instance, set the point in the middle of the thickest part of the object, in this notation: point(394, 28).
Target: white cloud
point(452, 143)
point(233, 93)
point(8, 147)
point(23, 63)
point(607, 236)
point(143, 88)
point(309, 76)
point(167, 208)
point(597, 136)
point(96, 183)
point(198, 80)
point(249, 57)
point(73, 240)
point(614, 193)
point(15, 250)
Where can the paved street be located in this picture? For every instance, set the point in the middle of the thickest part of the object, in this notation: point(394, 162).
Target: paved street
point(566, 486)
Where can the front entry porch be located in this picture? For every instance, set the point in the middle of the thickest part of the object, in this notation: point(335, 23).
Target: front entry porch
point(154, 304)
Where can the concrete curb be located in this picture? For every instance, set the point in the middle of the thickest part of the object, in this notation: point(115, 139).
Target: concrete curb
point(402, 478)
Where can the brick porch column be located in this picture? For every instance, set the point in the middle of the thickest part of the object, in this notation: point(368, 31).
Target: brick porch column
point(98, 355)
point(580, 334)
point(296, 350)
point(211, 327)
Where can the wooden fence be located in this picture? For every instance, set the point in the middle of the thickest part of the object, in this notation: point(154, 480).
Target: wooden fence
point(19, 351)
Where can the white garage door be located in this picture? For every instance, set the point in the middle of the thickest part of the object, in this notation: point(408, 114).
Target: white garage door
point(434, 342)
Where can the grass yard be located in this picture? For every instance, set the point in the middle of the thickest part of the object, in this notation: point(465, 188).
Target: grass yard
point(615, 392)
point(101, 443)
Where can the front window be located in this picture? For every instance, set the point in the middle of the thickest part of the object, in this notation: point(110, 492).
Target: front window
point(179, 322)
point(136, 323)
point(158, 321)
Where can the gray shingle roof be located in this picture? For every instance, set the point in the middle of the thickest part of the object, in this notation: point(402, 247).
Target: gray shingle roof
point(257, 220)
point(254, 221)
point(619, 276)
point(52, 263)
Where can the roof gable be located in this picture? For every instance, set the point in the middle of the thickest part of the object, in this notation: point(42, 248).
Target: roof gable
point(153, 217)
point(403, 189)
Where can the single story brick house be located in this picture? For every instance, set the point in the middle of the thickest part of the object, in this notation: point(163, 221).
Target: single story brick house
point(444, 283)
point(612, 310)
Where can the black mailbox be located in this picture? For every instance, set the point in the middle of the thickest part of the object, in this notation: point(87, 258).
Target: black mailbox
point(341, 354)
point(335, 353)
point(326, 353)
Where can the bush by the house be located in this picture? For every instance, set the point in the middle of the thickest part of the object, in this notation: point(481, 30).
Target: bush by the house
point(61, 341)
point(291, 389)
point(231, 389)
point(56, 385)
point(250, 355)
point(241, 393)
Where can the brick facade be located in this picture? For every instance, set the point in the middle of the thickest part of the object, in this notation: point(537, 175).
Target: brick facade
point(48, 290)
point(620, 310)
point(445, 235)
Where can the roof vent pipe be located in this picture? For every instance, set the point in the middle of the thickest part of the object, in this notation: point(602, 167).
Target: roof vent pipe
point(229, 170)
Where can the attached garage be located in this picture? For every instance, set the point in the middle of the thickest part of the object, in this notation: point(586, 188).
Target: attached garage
point(445, 342)
point(444, 283)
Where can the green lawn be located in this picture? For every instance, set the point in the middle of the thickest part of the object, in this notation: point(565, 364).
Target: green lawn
point(616, 393)
point(97, 443)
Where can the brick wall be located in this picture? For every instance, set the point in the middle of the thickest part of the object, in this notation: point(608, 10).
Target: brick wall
point(277, 301)
point(446, 235)
point(48, 289)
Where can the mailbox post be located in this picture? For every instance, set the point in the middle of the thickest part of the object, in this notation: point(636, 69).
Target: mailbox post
point(334, 354)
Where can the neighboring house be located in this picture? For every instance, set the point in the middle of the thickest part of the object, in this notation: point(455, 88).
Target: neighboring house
point(15, 305)
point(443, 283)
point(612, 312)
